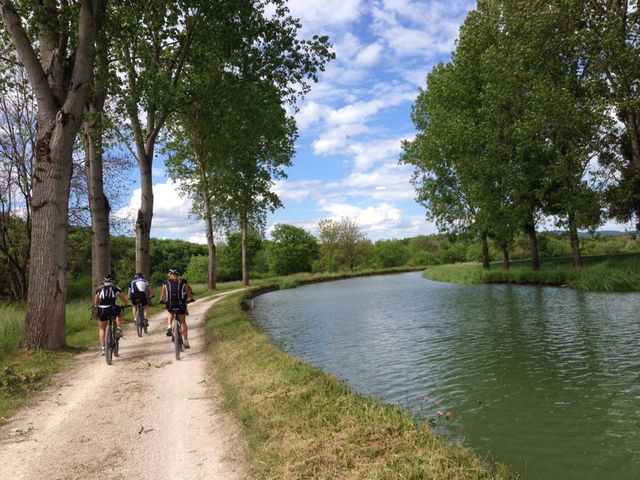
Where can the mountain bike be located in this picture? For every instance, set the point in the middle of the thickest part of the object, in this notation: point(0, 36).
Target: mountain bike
point(139, 320)
point(176, 335)
point(111, 340)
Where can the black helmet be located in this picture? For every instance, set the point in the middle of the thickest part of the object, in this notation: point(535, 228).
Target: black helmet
point(175, 271)
point(139, 275)
point(109, 278)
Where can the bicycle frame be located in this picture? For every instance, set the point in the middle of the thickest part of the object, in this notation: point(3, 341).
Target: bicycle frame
point(176, 334)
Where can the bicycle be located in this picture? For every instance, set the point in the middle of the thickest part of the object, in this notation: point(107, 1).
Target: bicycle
point(176, 334)
point(139, 320)
point(111, 340)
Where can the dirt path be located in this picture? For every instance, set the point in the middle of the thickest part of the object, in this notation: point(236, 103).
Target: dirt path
point(147, 416)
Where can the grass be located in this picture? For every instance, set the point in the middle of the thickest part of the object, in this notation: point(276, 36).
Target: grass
point(301, 423)
point(612, 273)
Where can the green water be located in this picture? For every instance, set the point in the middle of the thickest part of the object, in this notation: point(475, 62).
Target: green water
point(546, 380)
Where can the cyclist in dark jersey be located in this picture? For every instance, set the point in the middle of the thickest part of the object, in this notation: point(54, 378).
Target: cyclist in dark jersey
point(105, 302)
point(176, 290)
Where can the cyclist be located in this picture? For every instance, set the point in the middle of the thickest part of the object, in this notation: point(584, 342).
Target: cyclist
point(176, 290)
point(105, 302)
point(140, 292)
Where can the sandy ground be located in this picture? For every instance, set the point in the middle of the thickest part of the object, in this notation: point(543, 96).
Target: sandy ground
point(147, 416)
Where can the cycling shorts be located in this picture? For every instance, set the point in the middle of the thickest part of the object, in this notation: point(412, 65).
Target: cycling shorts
point(105, 311)
point(140, 297)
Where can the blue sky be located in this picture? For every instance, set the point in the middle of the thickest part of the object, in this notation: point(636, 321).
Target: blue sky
point(352, 122)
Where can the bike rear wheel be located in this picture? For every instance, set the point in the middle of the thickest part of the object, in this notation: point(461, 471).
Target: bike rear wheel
point(108, 345)
point(177, 339)
point(139, 320)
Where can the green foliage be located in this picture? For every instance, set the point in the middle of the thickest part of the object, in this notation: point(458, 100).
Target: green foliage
point(229, 264)
point(198, 269)
point(389, 253)
point(293, 250)
point(613, 273)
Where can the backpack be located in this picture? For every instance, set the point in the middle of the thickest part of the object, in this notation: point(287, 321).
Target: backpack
point(176, 293)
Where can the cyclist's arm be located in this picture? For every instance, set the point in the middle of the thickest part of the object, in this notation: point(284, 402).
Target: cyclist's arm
point(163, 294)
point(123, 299)
point(189, 292)
point(95, 300)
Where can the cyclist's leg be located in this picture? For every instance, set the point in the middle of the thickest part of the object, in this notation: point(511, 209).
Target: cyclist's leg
point(183, 326)
point(102, 327)
point(169, 321)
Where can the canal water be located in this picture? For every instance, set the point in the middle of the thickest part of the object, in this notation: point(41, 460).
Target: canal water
point(545, 380)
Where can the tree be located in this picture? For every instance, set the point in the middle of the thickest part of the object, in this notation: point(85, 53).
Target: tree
point(293, 250)
point(17, 149)
point(235, 137)
point(390, 253)
point(342, 244)
point(58, 56)
point(612, 56)
point(152, 52)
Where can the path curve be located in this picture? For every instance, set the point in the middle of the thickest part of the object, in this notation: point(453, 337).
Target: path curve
point(147, 416)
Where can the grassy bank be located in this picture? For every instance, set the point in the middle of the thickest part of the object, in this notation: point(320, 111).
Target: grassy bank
point(612, 273)
point(302, 423)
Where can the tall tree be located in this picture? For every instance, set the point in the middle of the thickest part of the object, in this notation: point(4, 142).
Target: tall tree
point(17, 149)
point(612, 55)
point(151, 52)
point(236, 125)
point(56, 44)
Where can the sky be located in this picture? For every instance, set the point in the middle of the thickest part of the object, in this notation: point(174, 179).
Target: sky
point(351, 124)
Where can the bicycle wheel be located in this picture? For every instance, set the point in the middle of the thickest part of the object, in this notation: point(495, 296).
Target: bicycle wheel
point(108, 344)
point(177, 339)
point(139, 320)
point(116, 347)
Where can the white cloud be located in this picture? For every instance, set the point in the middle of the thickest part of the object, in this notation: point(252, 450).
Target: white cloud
point(170, 213)
point(389, 182)
point(370, 153)
point(295, 192)
point(369, 55)
point(326, 12)
point(336, 139)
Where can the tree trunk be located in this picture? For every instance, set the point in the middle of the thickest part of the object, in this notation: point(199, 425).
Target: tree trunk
point(485, 251)
point(211, 270)
point(98, 202)
point(533, 242)
point(61, 89)
point(45, 313)
point(245, 261)
point(575, 244)
point(506, 264)
point(633, 129)
point(145, 216)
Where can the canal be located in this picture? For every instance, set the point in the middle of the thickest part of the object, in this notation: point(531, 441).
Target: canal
point(545, 380)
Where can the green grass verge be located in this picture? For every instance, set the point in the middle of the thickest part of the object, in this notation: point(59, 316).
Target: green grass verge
point(301, 423)
point(612, 273)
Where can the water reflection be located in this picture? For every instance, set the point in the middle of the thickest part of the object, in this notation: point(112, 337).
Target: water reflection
point(546, 379)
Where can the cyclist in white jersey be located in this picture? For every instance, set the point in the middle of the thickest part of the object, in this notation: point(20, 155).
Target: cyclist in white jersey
point(140, 292)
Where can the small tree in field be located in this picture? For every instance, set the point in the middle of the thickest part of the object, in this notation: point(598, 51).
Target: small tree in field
point(293, 250)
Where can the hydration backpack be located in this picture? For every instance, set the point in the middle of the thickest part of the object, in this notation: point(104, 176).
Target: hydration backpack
point(176, 293)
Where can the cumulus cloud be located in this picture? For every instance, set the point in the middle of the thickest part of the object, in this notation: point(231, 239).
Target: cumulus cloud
point(170, 213)
point(325, 13)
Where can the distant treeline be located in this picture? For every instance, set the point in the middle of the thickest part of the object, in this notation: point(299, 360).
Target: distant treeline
point(303, 252)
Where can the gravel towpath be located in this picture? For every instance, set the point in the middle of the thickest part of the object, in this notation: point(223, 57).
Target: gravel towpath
point(147, 416)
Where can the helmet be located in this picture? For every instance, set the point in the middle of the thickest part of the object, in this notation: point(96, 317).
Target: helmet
point(108, 278)
point(175, 271)
point(139, 275)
